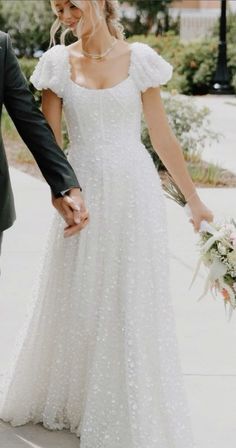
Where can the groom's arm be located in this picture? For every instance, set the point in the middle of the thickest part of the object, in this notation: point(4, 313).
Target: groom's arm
point(33, 127)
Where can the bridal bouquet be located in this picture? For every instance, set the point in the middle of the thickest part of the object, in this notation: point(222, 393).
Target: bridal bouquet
point(217, 245)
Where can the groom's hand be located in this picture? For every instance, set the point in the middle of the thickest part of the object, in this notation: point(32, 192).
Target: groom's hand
point(72, 208)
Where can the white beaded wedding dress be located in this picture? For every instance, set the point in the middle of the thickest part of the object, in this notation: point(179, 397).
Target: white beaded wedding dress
point(98, 354)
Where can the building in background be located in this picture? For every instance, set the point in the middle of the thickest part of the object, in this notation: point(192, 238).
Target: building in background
point(197, 17)
point(196, 4)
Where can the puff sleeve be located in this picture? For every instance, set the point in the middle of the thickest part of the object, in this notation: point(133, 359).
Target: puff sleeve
point(148, 68)
point(52, 70)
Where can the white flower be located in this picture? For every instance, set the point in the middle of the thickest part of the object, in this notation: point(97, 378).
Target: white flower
point(233, 238)
point(222, 249)
point(228, 227)
point(206, 258)
point(232, 258)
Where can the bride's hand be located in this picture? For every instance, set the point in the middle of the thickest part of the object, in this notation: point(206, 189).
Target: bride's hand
point(199, 212)
point(81, 217)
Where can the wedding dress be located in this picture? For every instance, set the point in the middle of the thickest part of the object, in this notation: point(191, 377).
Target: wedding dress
point(98, 354)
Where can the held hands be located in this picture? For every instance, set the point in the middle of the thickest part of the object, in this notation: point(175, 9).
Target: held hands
point(73, 210)
point(199, 212)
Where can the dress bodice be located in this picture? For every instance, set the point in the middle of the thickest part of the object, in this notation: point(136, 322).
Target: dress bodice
point(102, 116)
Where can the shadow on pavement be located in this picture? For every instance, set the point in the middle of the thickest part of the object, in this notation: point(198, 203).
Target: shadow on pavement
point(35, 436)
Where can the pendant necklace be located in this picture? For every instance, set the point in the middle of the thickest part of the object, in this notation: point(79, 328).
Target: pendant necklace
point(101, 55)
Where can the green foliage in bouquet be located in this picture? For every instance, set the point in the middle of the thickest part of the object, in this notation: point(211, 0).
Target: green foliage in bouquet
point(172, 191)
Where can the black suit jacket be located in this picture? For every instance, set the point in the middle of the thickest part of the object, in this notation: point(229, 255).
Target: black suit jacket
point(34, 130)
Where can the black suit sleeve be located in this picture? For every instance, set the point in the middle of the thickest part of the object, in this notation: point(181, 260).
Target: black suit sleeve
point(33, 127)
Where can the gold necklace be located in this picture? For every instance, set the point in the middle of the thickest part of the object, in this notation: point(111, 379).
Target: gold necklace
point(101, 55)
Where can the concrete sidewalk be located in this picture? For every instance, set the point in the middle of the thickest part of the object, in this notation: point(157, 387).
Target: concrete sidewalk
point(222, 121)
point(206, 339)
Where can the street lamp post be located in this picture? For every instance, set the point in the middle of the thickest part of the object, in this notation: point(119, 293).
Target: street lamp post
point(221, 83)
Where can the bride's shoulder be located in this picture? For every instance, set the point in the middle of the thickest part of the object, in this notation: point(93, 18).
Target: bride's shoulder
point(52, 70)
point(54, 52)
point(144, 55)
point(148, 68)
point(142, 49)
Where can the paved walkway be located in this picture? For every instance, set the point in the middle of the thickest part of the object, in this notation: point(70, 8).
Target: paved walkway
point(223, 121)
point(206, 339)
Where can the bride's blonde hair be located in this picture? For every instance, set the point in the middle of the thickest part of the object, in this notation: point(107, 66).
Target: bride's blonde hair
point(111, 16)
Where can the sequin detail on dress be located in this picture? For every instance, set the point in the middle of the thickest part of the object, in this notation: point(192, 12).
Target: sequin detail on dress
point(98, 354)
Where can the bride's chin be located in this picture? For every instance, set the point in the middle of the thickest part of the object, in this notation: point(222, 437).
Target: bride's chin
point(74, 33)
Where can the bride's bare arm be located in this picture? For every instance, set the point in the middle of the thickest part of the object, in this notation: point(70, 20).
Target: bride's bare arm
point(164, 141)
point(168, 148)
point(52, 109)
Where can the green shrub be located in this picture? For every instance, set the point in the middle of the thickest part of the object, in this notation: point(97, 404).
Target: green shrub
point(169, 45)
point(27, 66)
point(232, 63)
point(206, 173)
point(8, 128)
point(234, 82)
point(196, 67)
point(190, 125)
point(231, 28)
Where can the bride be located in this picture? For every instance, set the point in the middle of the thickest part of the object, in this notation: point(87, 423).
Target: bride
point(98, 354)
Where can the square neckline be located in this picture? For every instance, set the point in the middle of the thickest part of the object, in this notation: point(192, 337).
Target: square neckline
point(120, 83)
